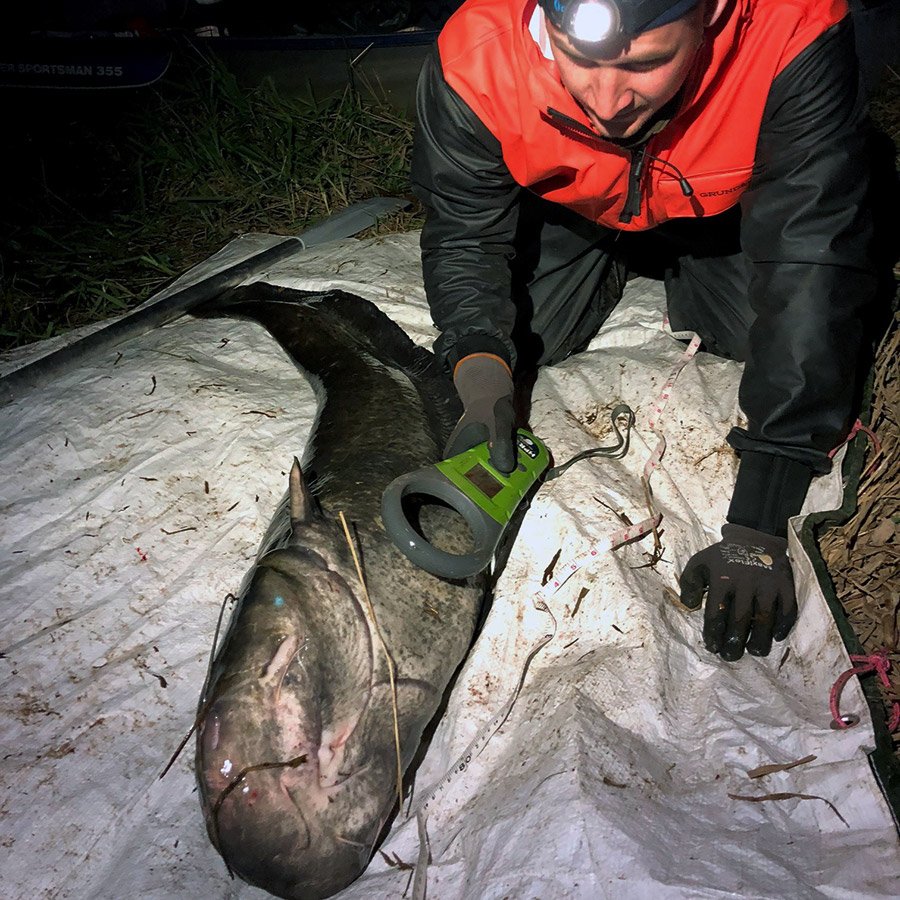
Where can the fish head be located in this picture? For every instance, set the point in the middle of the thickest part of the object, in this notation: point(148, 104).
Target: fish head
point(296, 756)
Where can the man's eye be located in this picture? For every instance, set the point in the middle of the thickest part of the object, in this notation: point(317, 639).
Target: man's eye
point(648, 66)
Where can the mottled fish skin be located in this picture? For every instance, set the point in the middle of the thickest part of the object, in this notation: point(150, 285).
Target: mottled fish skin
point(295, 756)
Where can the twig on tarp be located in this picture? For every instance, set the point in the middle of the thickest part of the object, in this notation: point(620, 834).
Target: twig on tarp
point(789, 795)
point(396, 863)
point(581, 595)
point(770, 769)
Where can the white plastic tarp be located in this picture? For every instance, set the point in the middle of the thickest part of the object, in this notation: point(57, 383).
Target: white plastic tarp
point(134, 494)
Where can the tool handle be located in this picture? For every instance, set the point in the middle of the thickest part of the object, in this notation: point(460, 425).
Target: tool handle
point(37, 374)
point(430, 482)
point(161, 310)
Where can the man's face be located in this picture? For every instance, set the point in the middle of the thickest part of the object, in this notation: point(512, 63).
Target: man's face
point(621, 90)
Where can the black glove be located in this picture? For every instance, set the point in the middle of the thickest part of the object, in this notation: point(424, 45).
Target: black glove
point(751, 592)
point(485, 386)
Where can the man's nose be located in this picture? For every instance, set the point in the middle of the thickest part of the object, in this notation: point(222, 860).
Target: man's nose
point(609, 93)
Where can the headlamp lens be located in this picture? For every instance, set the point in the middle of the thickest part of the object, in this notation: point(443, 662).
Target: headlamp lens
point(593, 21)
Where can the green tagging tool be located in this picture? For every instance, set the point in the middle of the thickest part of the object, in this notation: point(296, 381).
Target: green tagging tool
point(469, 484)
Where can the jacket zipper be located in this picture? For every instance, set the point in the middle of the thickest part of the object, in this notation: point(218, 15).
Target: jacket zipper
point(632, 205)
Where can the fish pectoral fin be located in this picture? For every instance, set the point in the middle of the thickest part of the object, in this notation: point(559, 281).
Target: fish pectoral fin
point(412, 696)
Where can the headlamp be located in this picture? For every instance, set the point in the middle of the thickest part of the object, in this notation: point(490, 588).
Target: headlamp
point(589, 24)
point(592, 21)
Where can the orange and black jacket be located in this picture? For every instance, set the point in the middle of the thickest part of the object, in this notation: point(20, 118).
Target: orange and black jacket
point(770, 118)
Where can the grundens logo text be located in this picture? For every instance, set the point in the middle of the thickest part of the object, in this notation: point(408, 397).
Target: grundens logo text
point(731, 190)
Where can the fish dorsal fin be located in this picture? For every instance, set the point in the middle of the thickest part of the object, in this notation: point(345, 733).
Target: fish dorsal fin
point(303, 506)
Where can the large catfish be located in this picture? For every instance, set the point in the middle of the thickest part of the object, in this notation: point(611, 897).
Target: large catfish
point(296, 752)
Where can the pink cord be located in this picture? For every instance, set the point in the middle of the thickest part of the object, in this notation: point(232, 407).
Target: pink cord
point(854, 431)
point(880, 663)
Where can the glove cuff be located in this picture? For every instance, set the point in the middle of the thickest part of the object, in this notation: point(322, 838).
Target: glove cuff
point(478, 343)
point(740, 534)
point(768, 491)
point(483, 361)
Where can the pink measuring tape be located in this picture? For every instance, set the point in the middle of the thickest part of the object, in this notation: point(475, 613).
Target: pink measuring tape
point(662, 402)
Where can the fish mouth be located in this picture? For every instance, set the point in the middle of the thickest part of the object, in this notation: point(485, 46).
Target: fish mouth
point(281, 823)
point(279, 845)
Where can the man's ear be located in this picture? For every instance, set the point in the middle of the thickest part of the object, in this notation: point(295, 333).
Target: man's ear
point(713, 9)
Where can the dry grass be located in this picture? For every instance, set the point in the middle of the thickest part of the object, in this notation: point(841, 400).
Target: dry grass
point(863, 554)
point(112, 200)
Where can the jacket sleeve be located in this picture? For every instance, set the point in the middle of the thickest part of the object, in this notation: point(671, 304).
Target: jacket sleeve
point(807, 230)
point(471, 213)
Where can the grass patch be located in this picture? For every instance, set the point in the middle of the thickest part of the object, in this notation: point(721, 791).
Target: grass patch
point(108, 207)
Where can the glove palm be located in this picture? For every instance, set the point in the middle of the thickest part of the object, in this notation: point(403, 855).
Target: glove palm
point(485, 386)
